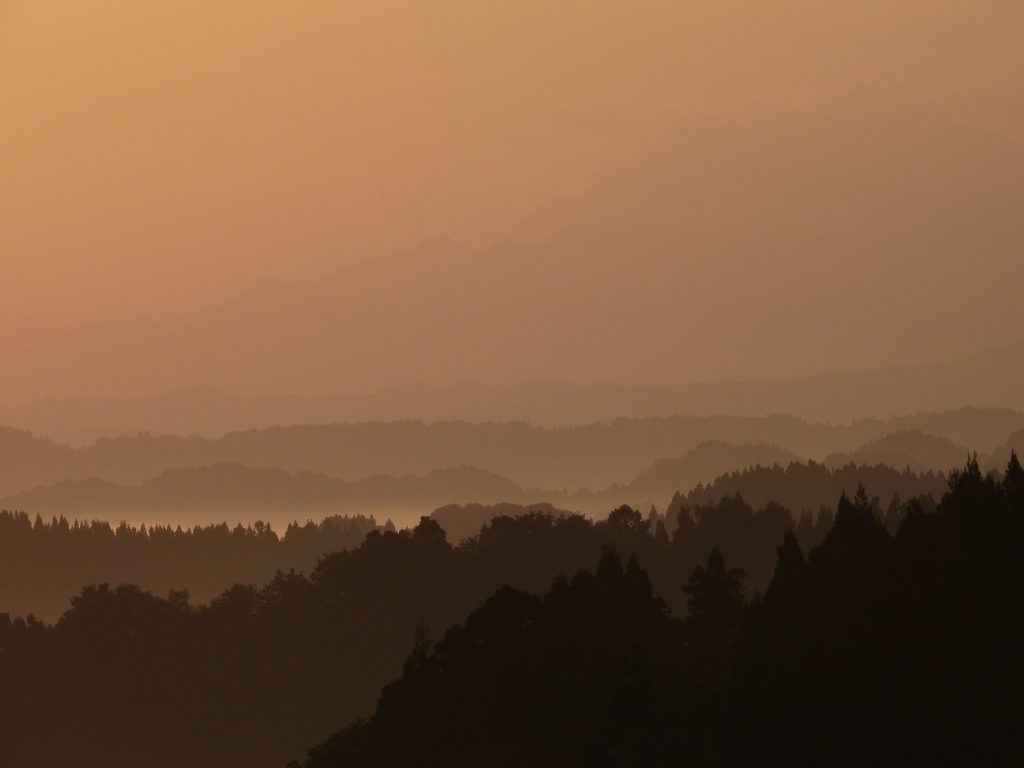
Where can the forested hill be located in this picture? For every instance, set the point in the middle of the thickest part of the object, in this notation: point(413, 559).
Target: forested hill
point(593, 456)
point(808, 487)
point(911, 448)
point(980, 379)
point(873, 649)
point(899, 626)
point(234, 489)
point(43, 564)
point(192, 496)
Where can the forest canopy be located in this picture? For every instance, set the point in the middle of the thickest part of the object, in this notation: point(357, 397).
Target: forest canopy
point(724, 629)
point(874, 649)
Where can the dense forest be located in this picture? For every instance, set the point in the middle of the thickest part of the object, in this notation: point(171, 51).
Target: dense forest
point(127, 677)
point(874, 649)
point(447, 384)
point(43, 564)
point(807, 487)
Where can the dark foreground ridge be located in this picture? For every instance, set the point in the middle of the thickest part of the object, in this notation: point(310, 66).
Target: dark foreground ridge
point(895, 642)
point(874, 650)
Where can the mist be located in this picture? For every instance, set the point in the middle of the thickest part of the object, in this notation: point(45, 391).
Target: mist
point(511, 384)
point(844, 177)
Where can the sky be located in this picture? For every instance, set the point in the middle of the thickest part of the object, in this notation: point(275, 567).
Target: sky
point(159, 158)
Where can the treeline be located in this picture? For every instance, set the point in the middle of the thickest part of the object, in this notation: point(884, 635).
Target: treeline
point(913, 449)
point(463, 521)
point(873, 650)
point(277, 493)
point(265, 491)
point(806, 488)
point(258, 674)
point(43, 564)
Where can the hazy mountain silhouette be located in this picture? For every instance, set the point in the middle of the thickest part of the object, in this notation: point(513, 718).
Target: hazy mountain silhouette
point(1014, 443)
point(202, 493)
point(709, 459)
point(591, 456)
point(807, 488)
point(464, 498)
point(911, 448)
point(661, 279)
point(832, 398)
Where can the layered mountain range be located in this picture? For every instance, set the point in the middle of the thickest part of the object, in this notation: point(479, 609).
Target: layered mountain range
point(544, 315)
point(405, 469)
point(920, 396)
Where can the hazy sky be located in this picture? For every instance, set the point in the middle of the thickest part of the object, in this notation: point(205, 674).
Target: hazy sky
point(158, 157)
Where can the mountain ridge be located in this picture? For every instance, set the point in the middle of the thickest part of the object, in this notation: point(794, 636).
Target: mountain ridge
point(590, 456)
point(208, 411)
point(446, 313)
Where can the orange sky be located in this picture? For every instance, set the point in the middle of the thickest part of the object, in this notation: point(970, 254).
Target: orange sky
point(158, 157)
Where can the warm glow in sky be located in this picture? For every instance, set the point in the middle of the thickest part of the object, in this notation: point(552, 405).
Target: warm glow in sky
point(158, 157)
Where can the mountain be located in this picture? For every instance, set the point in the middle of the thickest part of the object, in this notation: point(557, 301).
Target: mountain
point(209, 412)
point(190, 496)
point(747, 254)
point(708, 460)
point(592, 456)
point(1014, 444)
point(655, 485)
point(911, 448)
point(705, 266)
point(463, 497)
point(809, 487)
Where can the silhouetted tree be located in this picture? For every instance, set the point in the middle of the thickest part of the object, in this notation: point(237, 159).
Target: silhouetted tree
point(874, 649)
point(715, 617)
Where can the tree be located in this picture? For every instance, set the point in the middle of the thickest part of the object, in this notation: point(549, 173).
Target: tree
point(627, 520)
point(716, 616)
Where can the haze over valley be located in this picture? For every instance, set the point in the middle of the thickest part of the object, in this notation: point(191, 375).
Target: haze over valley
point(605, 385)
